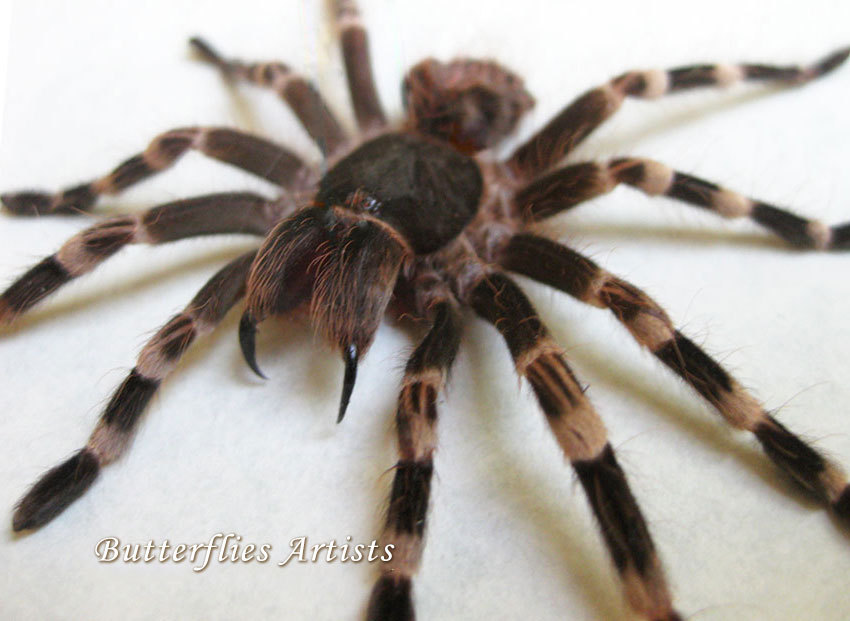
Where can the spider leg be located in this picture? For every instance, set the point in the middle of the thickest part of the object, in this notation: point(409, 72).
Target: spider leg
point(63, 484)
point(583, 439)
point(575, 122)
point(250, 153)
point(237, 212)
point(301, 96)
point(358, 68)
point(569, 186)
point(558, 266)
point(416, 421)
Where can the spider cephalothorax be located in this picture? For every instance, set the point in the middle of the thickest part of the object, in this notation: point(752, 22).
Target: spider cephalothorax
point(421, 212)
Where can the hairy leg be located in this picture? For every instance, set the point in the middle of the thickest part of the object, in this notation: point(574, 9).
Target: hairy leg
point(250, 153)
point(583, 439)
point(301, 96)
point(416, 421)
point(558, 266)
point(238, 212)
point(62, 485)
point(570, 186)
point(575, 122)
point(358, 68)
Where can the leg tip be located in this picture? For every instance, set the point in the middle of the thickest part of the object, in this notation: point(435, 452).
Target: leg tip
point(27, 203)
point(391, 600)
point(22, 522)
point(831, 62)
point(55, 491)
point(74, 200)
point(204, 50)
point(842, 505)
point(840, 237)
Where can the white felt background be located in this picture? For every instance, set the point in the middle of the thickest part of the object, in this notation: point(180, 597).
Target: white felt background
point(510, 535)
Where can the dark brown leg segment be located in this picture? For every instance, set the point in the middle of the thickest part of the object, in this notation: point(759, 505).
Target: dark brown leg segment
point(62, 485)
point(560, 267)
point(358, 68)
point(570, 186)
point(416, 421)
point(250, 153)
point(301, 96)
point(205, 215)
point(575, 122)
point(583, 439)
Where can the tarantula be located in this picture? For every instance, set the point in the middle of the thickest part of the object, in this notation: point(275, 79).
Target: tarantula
point(356, 241)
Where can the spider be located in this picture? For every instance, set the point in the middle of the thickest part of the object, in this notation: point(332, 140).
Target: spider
point(365, 204)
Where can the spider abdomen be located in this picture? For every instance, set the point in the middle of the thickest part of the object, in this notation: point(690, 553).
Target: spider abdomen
point(425, 189)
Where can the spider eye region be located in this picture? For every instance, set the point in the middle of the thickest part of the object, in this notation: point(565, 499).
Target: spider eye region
point(473, 104)
point(425, 189)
